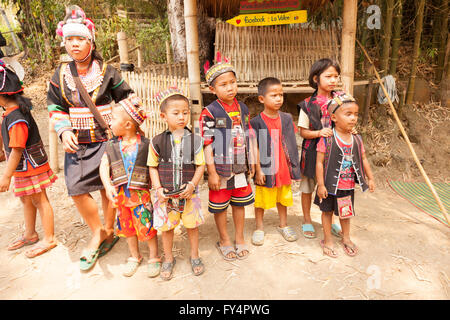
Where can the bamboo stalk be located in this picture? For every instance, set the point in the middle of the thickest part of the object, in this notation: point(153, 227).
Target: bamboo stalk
point(396, 36)
point(416, 51)
point(405, 136)
point(387, 36)
point(350, 11)
point(442, 40)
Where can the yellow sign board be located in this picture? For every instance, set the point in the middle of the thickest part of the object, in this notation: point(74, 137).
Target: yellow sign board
point(268, 19)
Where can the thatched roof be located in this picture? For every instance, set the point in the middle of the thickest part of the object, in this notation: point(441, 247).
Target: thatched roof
point(226, 9)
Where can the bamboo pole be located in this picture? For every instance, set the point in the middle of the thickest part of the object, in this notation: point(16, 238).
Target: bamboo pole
point(405, 136)
point(348, 44)
point(416, 51)
point(190, 18)
point(387, 36)
point(396, 37)
point(442, 40)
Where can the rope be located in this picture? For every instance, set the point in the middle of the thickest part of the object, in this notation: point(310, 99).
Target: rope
point(389, 84)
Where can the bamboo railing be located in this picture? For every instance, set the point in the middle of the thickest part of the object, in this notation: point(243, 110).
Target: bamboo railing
point(277, 51)
point(147, 85)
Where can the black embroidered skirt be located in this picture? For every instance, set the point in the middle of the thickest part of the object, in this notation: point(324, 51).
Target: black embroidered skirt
point(81, 169)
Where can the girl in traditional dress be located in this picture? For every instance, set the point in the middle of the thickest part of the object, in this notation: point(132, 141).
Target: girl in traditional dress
point(84, 132)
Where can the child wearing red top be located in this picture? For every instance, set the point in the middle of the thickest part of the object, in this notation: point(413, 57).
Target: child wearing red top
point(277, 161)
point(27, 163)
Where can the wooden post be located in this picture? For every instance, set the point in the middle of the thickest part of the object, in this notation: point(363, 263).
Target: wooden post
point(168, 52)
point(190, 18)
point(348, 44)
point(123, 51)
point(139, 57)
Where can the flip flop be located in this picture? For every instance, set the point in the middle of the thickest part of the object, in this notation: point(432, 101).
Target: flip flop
point(333, 254)
point(308, 227)
point(239, 249)
point(336, 230)
point(21, 242)
point(108, 246)
point(38, 249)
point(258, 238)
point(225, 250)
point(89, 257)
point(352, 248)
point(197, 263)
point(288, 233)
point(168, 266)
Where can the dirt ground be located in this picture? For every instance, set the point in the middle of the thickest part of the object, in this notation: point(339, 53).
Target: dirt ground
point(404, 254)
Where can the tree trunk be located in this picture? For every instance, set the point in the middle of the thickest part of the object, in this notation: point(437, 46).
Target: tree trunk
point(206, 31)
point(416, 51)
point(45, 33)
point(396, 36)
point(442, 41)
point(445, 83)
point(175, 9)
point(387, 29)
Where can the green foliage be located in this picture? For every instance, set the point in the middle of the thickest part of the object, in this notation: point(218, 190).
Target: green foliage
point(107, 29)
point(152, 38)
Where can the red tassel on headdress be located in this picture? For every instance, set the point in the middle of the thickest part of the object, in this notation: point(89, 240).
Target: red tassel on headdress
point(206, 66)
point(218, 57)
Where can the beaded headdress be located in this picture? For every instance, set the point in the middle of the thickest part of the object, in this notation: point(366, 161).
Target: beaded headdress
point(338, 101)
point(133, 106)
point(219, 68)
point(75, 23)
point(171, 91)
point(9, 81)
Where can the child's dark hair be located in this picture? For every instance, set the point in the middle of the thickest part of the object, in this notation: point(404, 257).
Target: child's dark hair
point(175, 97)
point(319, 67)
point(265, 83)
point(22, 101)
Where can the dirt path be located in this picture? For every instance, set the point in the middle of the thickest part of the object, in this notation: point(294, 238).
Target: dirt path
point(404, 254)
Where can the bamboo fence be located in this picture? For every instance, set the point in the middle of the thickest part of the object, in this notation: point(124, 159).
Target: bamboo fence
point(277, 51)
point(169, 69)
point(146, 85)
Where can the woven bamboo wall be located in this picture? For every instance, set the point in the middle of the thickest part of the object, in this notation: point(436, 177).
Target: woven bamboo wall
point(277, 51)
point(147, 85)
point(171, 69)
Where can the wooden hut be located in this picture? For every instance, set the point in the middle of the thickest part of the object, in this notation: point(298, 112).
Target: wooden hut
point(283, 41)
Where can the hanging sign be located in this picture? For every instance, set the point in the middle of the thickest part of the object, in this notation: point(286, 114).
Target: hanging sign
point(267, 19)
point(253, 6)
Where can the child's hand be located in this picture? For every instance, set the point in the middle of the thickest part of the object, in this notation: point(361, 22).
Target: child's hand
point(160, 194)
point(325, 132)
point(322, 192)
point(111, 193)
point(371, 185)
point(69, 141)
point(214, 181)
point(187, 193)
point(260, 178)
point(4, 183)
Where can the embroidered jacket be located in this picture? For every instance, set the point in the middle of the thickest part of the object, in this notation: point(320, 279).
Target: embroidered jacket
point(68, 110)
point(163, 147)
point(333, 162)
point(140, 177)
point(288, 143)
point(34, 153)
point(225, 161)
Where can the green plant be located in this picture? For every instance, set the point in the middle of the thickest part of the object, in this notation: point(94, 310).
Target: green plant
point(152, 38)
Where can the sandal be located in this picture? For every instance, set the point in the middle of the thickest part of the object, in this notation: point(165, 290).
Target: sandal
point(197, 263)
point(107, 246)
point(225, 251)
point(39, 249)
point(288, 233)
point(89, 257)
point(336, 230)
point(21, 242)
point(308, 227)
point(241, 248)
point(350, 250)
point(131, 266)
point(333, 254)
point(167, 267)
point(258, 238)
point(153, 268)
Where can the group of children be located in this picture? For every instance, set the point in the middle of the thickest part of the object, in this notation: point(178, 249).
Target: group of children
point(152, 183)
